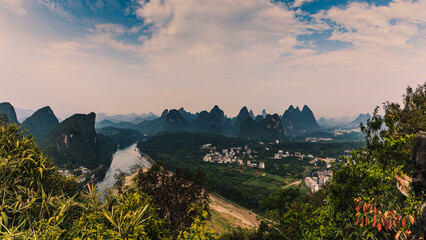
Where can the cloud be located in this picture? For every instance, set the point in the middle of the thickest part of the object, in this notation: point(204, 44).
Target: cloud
point(299, 3)
point(235, 38)
point(198, 53)
point(378, 26)
point(18, 7)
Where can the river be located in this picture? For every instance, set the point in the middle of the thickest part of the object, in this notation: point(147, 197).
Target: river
point(126, 160)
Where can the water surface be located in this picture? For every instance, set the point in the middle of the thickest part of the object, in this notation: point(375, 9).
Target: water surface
point(126, 160)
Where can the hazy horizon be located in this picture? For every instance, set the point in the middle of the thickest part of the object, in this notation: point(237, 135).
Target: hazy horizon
point(118, 57)
point(22, 113)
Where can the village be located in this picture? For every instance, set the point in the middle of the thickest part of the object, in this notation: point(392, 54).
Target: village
point(231, 155)
point(246, 156)
point(322, 177)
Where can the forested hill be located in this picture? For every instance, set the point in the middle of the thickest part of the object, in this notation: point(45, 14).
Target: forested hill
point(74, 143)
point(40, 123)
point(9, 110)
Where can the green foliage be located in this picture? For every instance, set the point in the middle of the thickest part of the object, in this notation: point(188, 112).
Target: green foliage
point(38, 202)
point(32, 189)
point(371, 173)
point(368, 179)
point(3, 118)
point(278, 203)
point(130, 215)
point(175, 195)
point(197, 230)
point(240, 184)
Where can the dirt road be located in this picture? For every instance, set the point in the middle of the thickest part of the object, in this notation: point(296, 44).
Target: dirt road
point(246, 217)
point(295, 183)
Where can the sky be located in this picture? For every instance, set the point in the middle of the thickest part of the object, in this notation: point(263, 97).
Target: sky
point(339, 57)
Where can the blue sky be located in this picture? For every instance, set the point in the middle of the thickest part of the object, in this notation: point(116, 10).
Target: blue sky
point(338, 57)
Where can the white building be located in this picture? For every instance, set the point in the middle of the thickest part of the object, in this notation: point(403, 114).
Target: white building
point(206, 146)
point(312, 184)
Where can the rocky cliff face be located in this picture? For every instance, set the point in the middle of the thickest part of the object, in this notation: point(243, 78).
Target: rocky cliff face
point(211, 122)
point(41, 123)
point(419, 182)
point(298, 122)
point(241, 117)
point(264, 113)
point(187, 115)
point(259, 118)
point(75, 143)
point(252, 114)
point(249, 129)
point(175, 121)
point(9, 110)
point(272, 128)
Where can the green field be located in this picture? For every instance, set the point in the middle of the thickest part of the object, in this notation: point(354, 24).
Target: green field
point(244, 185)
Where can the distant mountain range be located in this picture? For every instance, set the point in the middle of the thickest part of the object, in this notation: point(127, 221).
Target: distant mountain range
point(132, 117)
point(244, 125)
point(75, 142)
point(344, 122)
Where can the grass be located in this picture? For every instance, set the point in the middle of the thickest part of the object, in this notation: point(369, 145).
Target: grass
point(221, 223)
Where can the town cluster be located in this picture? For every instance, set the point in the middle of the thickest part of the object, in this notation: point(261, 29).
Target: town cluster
point(231, 155)
point(280, 155)
point(83, 173)
point(314, 182)
point(338, 132)
point(319, 139)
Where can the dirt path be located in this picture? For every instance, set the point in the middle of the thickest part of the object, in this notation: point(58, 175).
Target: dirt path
point(243, 217)
point(247, 218)
point(295, 183)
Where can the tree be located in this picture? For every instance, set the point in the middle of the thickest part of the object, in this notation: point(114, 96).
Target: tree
point(174, 194)
point(363, 200)
point(369, 179)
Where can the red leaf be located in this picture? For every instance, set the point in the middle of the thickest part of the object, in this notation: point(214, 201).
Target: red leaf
point(379, 227)
point(374, 221)
point(387, 225)
point(366, 221)
point(356, 200)
point(404, 220)
point(411, 218)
